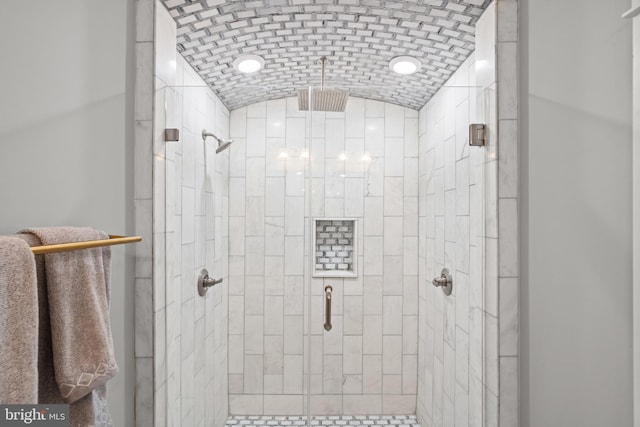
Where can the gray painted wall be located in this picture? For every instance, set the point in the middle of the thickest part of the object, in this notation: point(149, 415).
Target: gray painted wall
point(576, 306)
point(66, 109)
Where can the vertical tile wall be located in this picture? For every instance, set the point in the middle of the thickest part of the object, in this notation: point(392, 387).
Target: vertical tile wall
point(190, 220)
point(196, 238)
point(507, 210)
point(363, 164)
point(468, 372)
point(143, 212)
point(451, 371)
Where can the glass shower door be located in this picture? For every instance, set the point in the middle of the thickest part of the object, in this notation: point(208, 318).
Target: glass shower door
point(362, 208)
point(268, 167)
point(395, 196)
point(191, 338)
point(364, 205)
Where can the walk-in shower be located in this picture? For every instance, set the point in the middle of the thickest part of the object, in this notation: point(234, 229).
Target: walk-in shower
point(328, 226)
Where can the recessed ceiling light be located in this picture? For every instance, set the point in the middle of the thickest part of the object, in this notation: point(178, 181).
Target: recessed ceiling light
point(405, 64)
point(248, 63)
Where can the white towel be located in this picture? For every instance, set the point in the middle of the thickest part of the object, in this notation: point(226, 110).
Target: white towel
point(18, 323)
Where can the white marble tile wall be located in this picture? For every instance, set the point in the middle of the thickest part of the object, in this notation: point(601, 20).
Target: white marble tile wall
point(451, 229)
point(508, 196)
point(359, 164)
point(143, 212)
point(468, 364)
point(197, 237)
point(190, 220)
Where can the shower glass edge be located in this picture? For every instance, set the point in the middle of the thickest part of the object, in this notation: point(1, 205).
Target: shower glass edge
point(191, 332)
point(479, 159)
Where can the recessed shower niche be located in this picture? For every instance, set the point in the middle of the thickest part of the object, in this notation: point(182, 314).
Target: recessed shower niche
point(334, 245)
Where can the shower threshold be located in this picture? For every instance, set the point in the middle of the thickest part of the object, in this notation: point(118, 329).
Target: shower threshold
point(323, 420)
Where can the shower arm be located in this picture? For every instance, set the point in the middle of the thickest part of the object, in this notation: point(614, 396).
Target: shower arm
point(222, 144)
point(205, 134)
point(324, 62)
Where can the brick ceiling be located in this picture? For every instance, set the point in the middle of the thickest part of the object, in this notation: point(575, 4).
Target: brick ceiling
point(359, 37)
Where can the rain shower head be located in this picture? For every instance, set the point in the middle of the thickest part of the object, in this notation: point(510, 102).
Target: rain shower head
point(323, 99)
point(222, 144)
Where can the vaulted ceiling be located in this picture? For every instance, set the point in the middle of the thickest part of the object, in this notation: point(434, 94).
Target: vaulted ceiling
point(359, 38)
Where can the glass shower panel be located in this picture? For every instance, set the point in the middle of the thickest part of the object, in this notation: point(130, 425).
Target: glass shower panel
point(267, 170)
point(362, 208)
point(192, 343)
point(396, 195)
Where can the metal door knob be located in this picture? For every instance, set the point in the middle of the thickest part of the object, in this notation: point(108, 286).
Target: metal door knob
point(445, 281)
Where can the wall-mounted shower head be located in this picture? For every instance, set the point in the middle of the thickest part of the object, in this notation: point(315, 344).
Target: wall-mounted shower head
point(222, 144)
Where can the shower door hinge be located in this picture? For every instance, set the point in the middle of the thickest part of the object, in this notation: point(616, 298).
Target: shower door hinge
point(477, 135)
point(172, 135)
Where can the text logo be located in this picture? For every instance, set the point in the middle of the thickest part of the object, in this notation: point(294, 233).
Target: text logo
point(34, 415)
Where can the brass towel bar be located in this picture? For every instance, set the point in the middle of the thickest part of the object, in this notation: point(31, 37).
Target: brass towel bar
point(74, 246)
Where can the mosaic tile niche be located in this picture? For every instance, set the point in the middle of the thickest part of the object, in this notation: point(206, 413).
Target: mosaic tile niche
point(334, 243)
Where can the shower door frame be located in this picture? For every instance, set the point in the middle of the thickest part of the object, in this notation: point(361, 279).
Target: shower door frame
point(634, 15)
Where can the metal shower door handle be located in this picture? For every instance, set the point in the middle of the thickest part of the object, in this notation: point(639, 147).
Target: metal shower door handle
point(328, 290)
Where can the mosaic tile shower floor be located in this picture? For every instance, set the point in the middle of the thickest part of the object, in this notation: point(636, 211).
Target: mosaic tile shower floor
point(322, 420)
